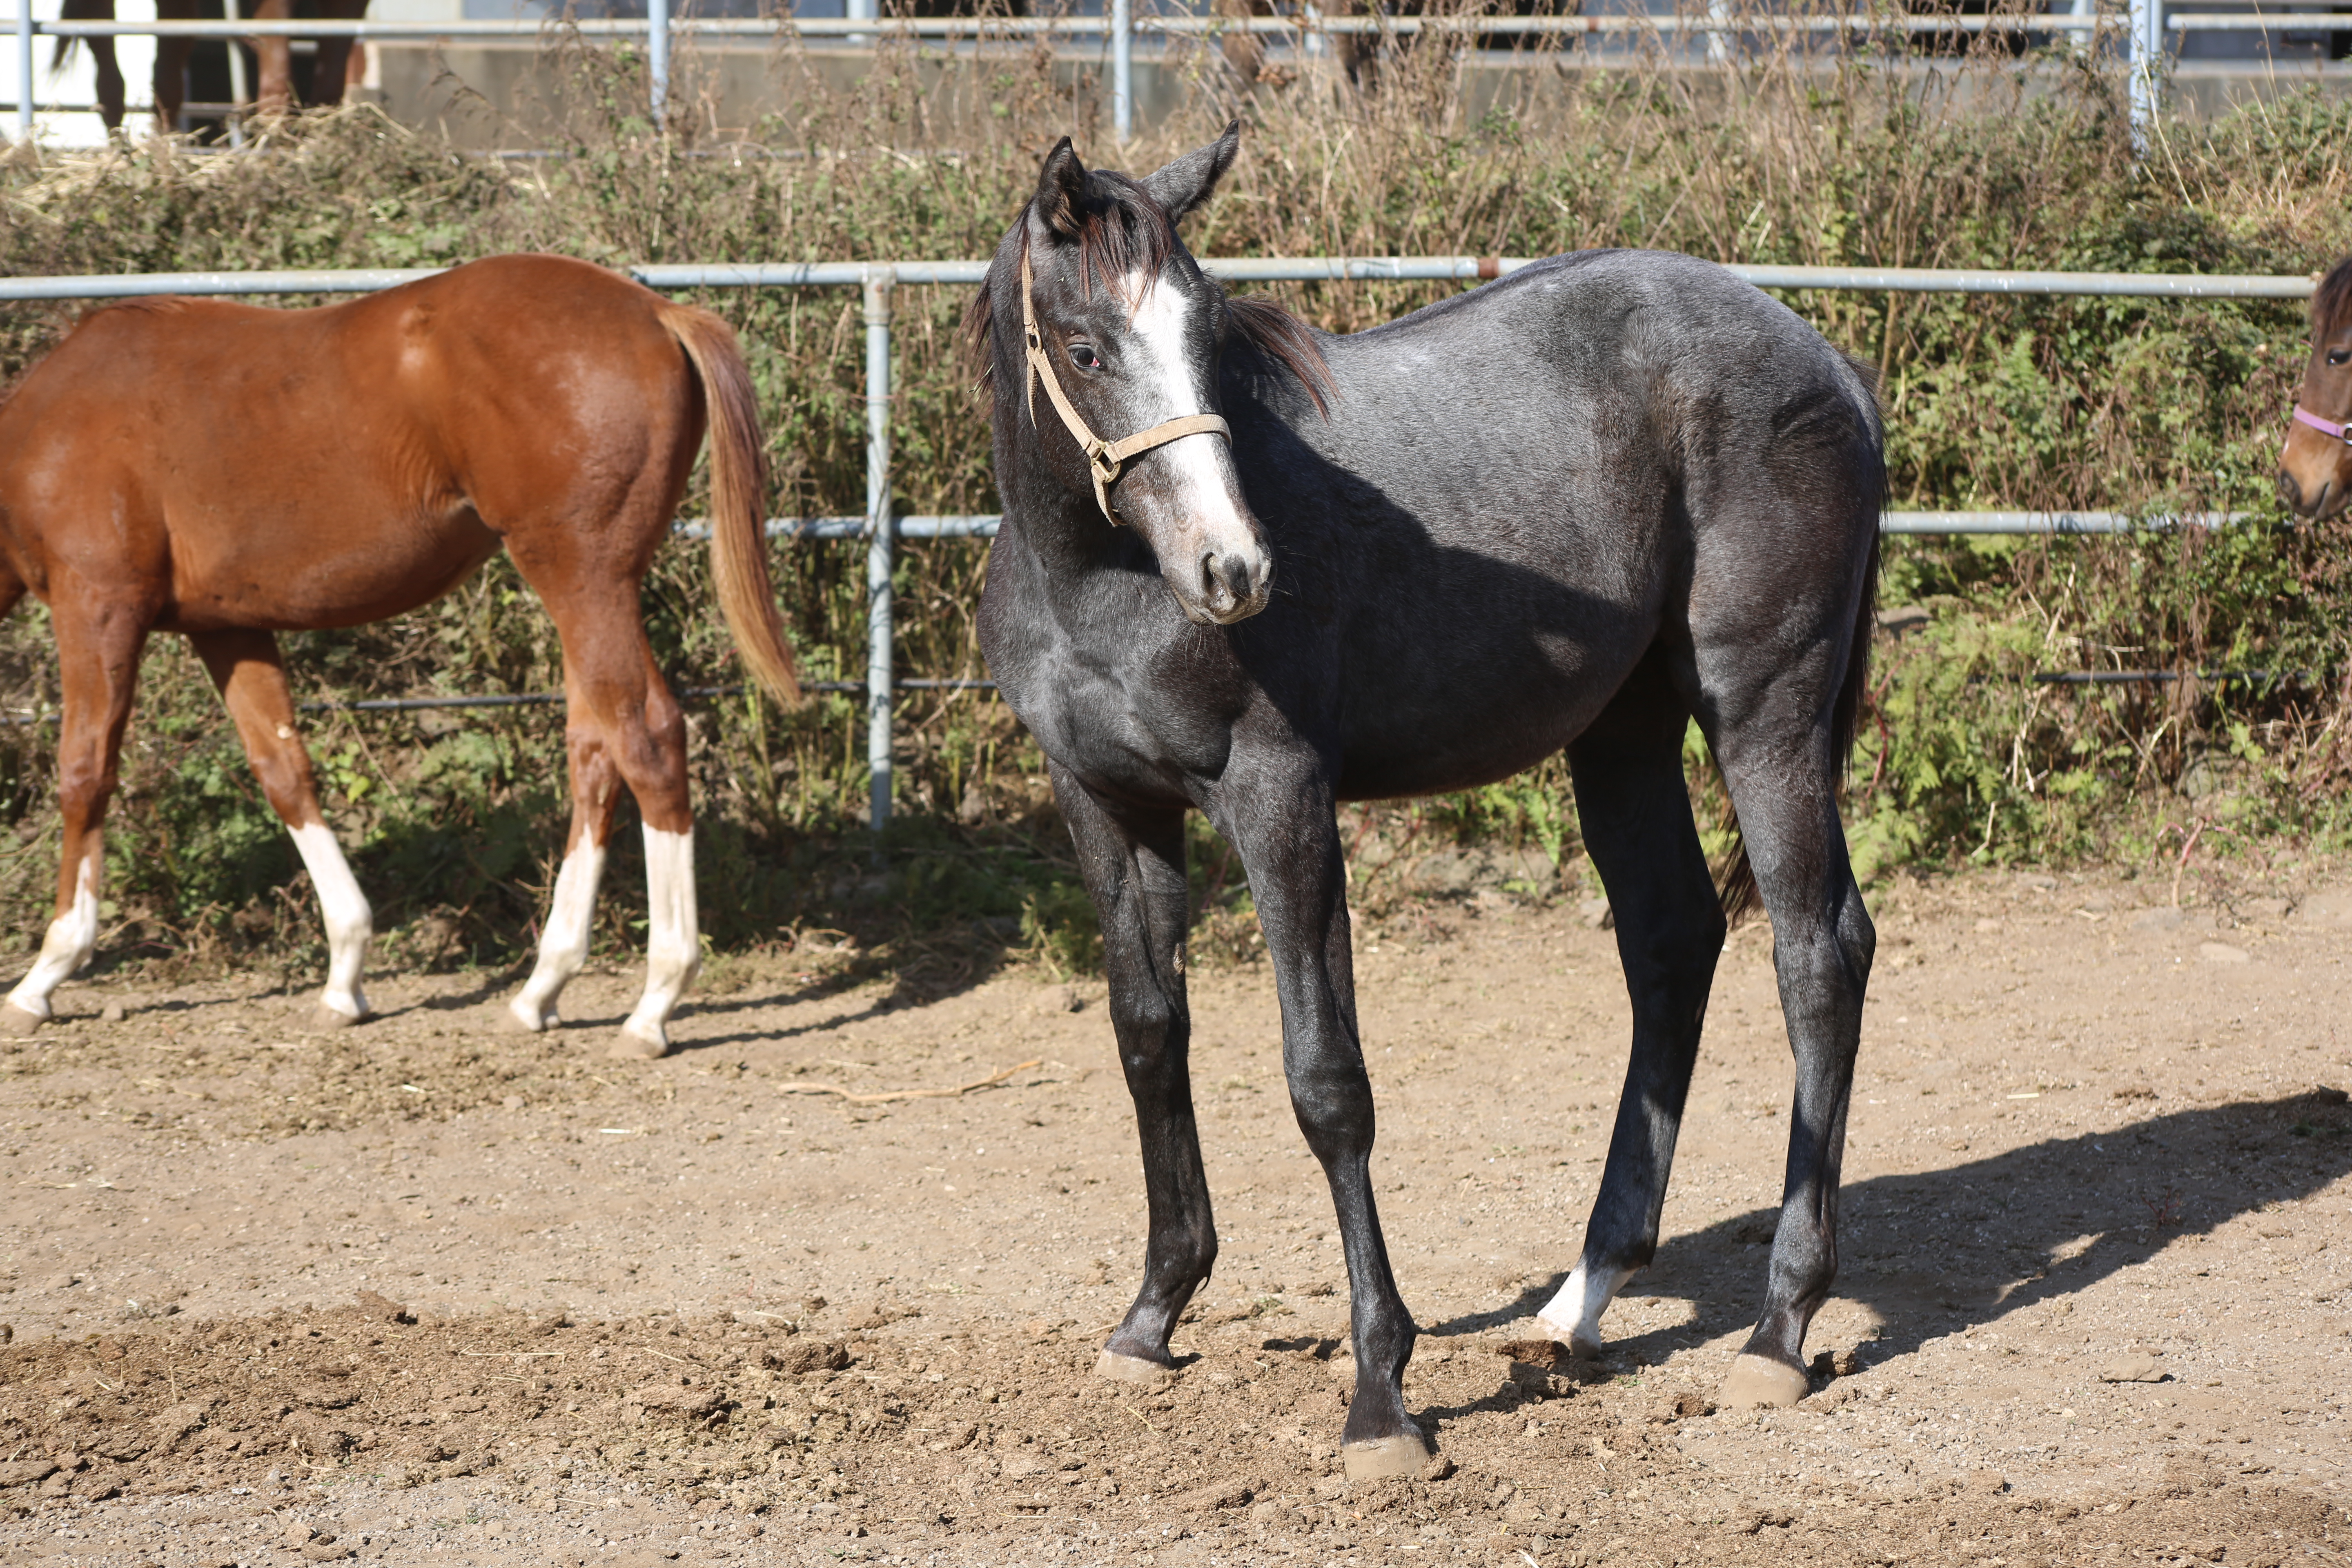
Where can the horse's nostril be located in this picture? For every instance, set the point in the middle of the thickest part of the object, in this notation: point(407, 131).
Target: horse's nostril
point(2289, 492)
point(1237, 578)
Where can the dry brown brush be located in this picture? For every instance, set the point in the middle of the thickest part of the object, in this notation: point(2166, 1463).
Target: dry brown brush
point(1987, 158)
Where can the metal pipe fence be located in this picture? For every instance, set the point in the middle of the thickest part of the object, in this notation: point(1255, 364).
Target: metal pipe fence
point(2140, 31)
point(881, 527)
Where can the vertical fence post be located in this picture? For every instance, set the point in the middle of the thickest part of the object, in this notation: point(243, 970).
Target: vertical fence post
point(658, 56)
point(860, 11)
point(882, 531)
point(25, 71)
point(2144, 53)
point(240, 92)
point(1123, 68)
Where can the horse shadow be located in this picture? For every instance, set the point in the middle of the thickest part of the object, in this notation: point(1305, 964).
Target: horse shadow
point(1933, 1253)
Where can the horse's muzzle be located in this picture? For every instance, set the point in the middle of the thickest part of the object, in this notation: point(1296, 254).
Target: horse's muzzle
point(2325, 499)
point(1233, 583)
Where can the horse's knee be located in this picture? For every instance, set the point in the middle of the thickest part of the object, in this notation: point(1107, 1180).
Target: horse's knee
point(1334, 1110)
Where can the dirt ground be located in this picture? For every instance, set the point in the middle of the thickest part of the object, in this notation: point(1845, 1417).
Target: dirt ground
point(427, 1292)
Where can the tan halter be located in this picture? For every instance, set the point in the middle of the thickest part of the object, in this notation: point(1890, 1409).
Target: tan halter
point(1105, 460)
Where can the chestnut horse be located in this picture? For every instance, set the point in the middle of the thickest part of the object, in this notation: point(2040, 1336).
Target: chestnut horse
point(2316, 466)
point(229, 472)
point(274, 93)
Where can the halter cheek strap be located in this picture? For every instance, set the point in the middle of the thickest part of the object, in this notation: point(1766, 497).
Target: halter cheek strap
point(1105, 460)
point(2325, 427)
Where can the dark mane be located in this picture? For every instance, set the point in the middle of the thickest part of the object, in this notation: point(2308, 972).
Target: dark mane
point(1279, 336)
point(1124, 230)
point(2327, 300)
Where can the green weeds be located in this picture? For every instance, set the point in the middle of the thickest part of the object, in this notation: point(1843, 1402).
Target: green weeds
point(455, 820)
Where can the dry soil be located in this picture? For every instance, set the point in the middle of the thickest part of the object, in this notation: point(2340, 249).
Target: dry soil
point(427, 1292)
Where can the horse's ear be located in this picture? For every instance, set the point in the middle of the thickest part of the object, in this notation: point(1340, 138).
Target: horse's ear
point(1061, 191)
point(1193, 179)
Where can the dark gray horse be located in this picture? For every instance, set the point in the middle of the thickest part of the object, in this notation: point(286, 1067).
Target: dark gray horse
point(1574, 508)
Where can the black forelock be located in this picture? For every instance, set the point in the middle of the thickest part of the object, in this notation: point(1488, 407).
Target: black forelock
point(2328, 299)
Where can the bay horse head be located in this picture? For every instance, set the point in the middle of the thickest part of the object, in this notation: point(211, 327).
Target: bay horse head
point(2316, 466)
point(1098, 315)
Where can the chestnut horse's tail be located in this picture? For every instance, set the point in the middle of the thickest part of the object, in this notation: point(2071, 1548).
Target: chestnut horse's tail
point(738, 490)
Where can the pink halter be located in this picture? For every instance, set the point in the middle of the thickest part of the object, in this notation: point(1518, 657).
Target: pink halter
point(2325, 427)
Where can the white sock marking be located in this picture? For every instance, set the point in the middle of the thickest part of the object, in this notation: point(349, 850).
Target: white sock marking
point(673, 936)
point(1574, 1315)
point(350, 922)
point(72, 937)
point(563, 944)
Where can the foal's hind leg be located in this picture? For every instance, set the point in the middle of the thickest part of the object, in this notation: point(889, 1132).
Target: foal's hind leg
point(98, 646)
point(623, 727)
point(245, 668)
point(1777, 759)
point(1637, 825)
point(1133, 862)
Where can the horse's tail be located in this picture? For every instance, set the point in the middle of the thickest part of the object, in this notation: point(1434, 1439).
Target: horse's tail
point(1737, 887)
point(739, 490)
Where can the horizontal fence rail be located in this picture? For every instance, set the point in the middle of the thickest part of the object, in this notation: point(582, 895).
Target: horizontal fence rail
point(1231, 269)
point(881, 527)
point(2140, 29)
point(1699, 24)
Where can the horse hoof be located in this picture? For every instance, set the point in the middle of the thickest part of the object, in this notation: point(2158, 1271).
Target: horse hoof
point(523, 1020)
point(1386, 1458)
point(323, 1017)
point(628, 1046)
point(17, 1024)
point(1758, 1380)
point(1566, 1335)
point(1132, 1369)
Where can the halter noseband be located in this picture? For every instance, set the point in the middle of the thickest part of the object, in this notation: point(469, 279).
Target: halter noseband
point(2325, 427)
point(1105, 460)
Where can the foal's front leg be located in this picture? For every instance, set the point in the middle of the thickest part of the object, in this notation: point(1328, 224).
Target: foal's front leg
point(1289, 844)
point(247, 669)
point(1133, 862)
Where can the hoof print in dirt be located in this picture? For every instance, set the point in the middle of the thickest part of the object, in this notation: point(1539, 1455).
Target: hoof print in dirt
point(1543, 1369)
point(1218, 1495)
point(384, 1309)
point(687, 1401)
point(1679, 1408)
point(805, 1355)
point(337, 1395)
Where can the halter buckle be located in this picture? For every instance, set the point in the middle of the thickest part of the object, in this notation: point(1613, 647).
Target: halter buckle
point(1106, 460)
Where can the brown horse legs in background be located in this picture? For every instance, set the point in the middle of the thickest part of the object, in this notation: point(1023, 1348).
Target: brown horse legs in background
point(274, 92)
point(356, 461)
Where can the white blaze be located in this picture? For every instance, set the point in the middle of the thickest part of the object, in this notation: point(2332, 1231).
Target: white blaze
point(563, 945)
point(72, 937)
point(673, 934)
point(1193, 467)
point(1574, 1315)
point(350, 922)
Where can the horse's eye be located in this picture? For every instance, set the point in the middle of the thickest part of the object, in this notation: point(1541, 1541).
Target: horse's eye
point(2337, 356)
point(1083, 356)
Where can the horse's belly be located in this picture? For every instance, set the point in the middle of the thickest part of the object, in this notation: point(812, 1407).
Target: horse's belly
point(1462, 727)
point(286, 577)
